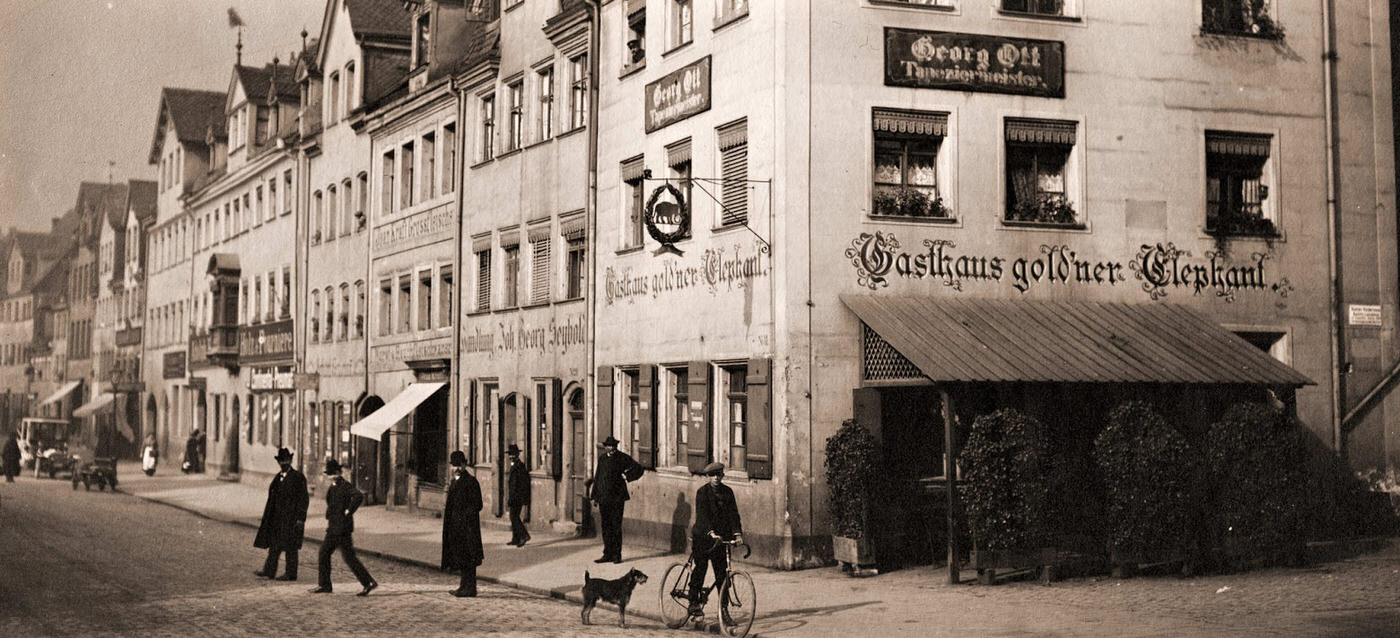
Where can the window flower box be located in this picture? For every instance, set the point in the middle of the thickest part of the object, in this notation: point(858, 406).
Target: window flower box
point(1046, 209)
point(908, 202)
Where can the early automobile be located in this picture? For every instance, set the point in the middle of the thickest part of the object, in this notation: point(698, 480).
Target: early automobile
point(43, 445)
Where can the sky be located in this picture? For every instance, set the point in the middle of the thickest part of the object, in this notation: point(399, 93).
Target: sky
point(80, 84)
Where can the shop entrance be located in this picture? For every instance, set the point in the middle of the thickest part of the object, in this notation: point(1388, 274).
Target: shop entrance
point(508, 436)
point(430, 438)
point(578, 460)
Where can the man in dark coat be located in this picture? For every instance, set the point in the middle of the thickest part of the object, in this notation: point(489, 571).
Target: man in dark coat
point(461, 527)
point(609, 491)
point(283, 519)
point(342, 499)
point(518, 484)
point(716, 519)
point(11, 457)
point(191, 463)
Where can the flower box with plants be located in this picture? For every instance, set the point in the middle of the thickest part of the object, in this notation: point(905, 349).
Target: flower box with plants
point(1007, 495)
point(1258, 486)
point(1249, 18)
point(1054, 210)
point(1241, 223)
point(852, 469)
point(909, 202)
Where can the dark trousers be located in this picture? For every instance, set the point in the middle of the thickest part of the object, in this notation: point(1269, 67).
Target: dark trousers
point(518, 533)
point(468, 583)
point(705, 552)
point(611, 514)
point(270, 566)
point(346, 545)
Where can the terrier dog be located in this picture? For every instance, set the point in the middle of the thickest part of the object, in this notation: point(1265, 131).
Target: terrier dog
point(617, 592)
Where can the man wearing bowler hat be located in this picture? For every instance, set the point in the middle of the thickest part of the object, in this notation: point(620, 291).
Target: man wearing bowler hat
point(461, 526)
point(609, 485)
point(284, 518)
point(518, 484)
point(342, 499)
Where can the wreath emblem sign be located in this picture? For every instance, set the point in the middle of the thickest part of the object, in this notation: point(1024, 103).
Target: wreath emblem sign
point(667, 217)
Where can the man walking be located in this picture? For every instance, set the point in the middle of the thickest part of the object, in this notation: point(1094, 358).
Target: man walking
point(284, 519)
point(518, 482)
point(342, 499)
point(11, 457)
point(609, 485)
point(716, 519)
point(461, 527)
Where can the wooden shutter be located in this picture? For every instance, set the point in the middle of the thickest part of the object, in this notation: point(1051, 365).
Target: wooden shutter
point(603, 408)
point(734, 172)
point(483, 279)
point(759, 450)
point(539, 267)
point(556, 429)
point(646, 416)
point(697, 448)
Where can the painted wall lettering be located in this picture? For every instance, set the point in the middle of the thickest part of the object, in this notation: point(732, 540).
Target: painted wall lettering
point(717, 269)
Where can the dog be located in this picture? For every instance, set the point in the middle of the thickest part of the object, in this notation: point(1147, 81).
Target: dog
point(617, 591)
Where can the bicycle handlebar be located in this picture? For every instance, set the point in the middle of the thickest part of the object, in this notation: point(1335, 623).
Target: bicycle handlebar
point(720, 541)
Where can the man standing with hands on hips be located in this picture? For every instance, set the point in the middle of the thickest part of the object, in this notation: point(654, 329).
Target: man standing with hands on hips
point(609, 491)
point(342, 499)
point(283, 519)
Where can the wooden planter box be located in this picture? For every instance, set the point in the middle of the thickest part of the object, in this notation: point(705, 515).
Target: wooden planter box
point(855, 554)
point(988, 561)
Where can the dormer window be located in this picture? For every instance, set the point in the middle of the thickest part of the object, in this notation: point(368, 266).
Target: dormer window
point(423, 37)
point(333, 98)
point(351, 89)
point(260, 130)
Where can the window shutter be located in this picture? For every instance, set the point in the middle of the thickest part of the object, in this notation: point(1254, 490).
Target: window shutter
point(471, 431)
point(556, 429)
point(603, 411)
point(697, 448)
point(734, 173)
point(646, 416)
point(539, 268)
point(483, 280)
point(759, 451)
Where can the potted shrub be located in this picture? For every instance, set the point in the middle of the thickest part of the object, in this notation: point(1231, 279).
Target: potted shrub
point(1150, 474)
point(1257, 466)
point(1007, 495)
point(908, 202)
point(1046, 209)
point(852, 461)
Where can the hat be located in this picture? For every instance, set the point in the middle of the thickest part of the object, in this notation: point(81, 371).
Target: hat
point(609, 442)
point(332, 466)
point(713, 469)
point(513, 449)
point(283, 454)
point(457, 458)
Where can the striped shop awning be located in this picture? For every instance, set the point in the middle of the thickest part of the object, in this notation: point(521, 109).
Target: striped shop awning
point(573, 228)
point(1053, 341)
point(1041, 131)
point(632, 169)
point(678, 154)
point(911, 122)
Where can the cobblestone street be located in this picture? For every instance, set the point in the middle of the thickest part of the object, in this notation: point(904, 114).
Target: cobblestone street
point(95, 563)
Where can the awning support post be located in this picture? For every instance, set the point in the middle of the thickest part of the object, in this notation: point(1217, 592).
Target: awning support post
point(949, 471)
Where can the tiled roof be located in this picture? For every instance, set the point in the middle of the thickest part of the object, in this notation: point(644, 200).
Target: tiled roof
point(191, 109)
point(142, 199)
point(256, 81)
point(379, 17)
point(484, 47)
point(32, 244)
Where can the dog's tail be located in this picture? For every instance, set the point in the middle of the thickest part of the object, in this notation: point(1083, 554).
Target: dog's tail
point(586, 577)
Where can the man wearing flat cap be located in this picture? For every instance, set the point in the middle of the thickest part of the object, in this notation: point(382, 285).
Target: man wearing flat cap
point(518, 497)
point(461, 526)
point(284, 518)
point(609, 485)
point(716, 519)
point(342, 499)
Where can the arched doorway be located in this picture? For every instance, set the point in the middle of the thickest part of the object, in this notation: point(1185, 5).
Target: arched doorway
point(506, 435)
point(371, 456)
point(578, 460)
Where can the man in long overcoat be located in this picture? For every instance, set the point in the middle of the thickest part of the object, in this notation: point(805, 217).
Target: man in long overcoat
point(518, 484)
point(461, 526)
point(284, 518)
point(11, 457)
point(342, 499)
point(609, 485)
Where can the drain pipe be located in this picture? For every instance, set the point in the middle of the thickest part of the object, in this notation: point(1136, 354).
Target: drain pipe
point(591, 215)
point(1334, 253)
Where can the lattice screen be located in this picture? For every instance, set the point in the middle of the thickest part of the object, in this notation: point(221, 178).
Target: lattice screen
point(881, 362)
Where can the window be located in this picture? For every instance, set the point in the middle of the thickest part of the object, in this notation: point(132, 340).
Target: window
point(730, 10)
point(271, 200)
point(678, 157)
point(287, 192)
point(257, 299)
point(511, 274)
point(386, 186)
point(1237, 184)
point(314, 334)
point(351, 89)
point(260, 127)
point(360, 308)
point(333, 99)
point(545, 81)
point(632, 410)
point(429, 179)
point(331, 217)
point(678, 417)
point(386, 306)
point(488, 127)
point(425, 299)
point(483, 280)
point(405, 305)
point(361, 189)
point(1037, 161)
point(490, 398)
point(540, 436)
point(634, 185)
point(285, 308)
point(316, 202)
point(423, 39)
point(578, 91)
point(445, 292)
point(1035, 7)
point(636, 38)
point(514, 133)
point(406, 175)
point(343, 330)
point(272, 300)
point(347, 195)
point(449, 157)
point(681, 22)
point(733, 145)
point(1239, 17)
point(736, 412)
point(540, 246)
point(905, 179)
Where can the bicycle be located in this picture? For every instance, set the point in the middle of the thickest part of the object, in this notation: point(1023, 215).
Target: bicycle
point(738, 599)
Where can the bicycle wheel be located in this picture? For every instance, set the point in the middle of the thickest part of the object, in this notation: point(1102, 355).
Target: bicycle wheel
point(675, 595)
point(738, 605)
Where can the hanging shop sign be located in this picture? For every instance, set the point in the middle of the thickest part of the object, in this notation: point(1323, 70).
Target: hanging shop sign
point(678, 95)
point(668, 217)
point(273, 378)
point(310, 381)
point(173, 365)
point(974, 62)
point(1156, 269)
point(265, 342)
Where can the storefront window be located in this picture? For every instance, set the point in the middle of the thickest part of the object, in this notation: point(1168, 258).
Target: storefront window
point(541, 427)
point(680, 413)
point(633, 434)
point(736, 395)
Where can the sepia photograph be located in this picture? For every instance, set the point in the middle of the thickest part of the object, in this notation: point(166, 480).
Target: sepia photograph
point(752, 318)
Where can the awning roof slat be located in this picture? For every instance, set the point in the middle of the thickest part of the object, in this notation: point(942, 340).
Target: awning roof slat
point(62, 392)
point(374, 425)
point(96, 404)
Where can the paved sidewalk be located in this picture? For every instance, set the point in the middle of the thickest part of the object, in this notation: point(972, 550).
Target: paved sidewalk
point(1354, 597)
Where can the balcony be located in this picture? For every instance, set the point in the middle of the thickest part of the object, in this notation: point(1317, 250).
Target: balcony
point(218, 347)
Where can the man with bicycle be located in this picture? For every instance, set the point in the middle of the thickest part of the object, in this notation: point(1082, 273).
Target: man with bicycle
point(716, 520)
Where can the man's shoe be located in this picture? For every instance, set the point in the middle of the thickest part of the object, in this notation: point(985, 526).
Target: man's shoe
point(513, 542)
point(321, 590)
point(285, 577)
point(696, 609)
point(523, 541)
point(463, 593)
point(368, 588)
point(261, 574)
point(617, 560)
point(603, 559)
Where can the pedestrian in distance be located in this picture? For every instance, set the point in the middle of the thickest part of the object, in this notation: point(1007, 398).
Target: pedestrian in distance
point(191, 463)
point(342, 499)
point(716, 519)
point(201, 449)
point(10, 457)
point(149, 455)
point(461, 526)
point(518, 484)
point(609, 490)
point(284, 519)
